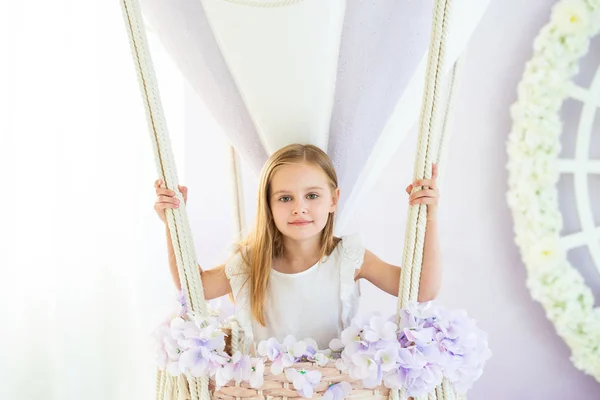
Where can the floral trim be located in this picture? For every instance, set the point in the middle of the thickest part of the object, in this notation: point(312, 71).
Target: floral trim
point(428, 344)
point(533, 148)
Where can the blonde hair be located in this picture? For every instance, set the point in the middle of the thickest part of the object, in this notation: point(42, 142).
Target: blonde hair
point(265, 241)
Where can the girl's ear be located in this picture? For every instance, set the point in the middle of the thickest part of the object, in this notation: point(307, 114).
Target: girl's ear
point(334, 200)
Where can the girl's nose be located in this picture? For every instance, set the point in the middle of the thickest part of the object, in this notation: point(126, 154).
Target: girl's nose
point(298, 209)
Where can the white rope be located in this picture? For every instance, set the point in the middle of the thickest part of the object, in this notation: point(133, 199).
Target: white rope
point(161, 382)
point(235, 336)
point(176, 218)
point(431, 128)
point(417, 216)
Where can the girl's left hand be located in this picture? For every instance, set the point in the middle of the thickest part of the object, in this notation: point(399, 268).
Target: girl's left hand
point(429, 194)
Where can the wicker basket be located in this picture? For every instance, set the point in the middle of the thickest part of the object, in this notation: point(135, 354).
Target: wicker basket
point(276, 387)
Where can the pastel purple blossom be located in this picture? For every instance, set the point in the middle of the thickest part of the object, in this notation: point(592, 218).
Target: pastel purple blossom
point(304, 381)
point(182, 306)
point(415, 373)
point(270, 348)
point(284, 355)
point(427, 344)
point(167, 350)
point(337, 391)
point(237, 368)
point(379, 328)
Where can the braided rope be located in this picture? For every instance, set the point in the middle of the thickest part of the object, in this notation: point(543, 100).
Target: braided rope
point(236, 344)
point(448, 391)
point(176, 218)
point(428, 150)
point(417, 218)
point(439, 391)
point(160, 384)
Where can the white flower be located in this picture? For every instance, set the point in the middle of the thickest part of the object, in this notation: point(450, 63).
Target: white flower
point(570, 16)
point(257, 376)
point(296, 349)
point(322, 359)
point(546, 252)
point(533, 147)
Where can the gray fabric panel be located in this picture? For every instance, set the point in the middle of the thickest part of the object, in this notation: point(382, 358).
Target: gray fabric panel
point(383, 42)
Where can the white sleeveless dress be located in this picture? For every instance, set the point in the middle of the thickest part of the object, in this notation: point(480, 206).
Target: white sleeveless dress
point(317, 303)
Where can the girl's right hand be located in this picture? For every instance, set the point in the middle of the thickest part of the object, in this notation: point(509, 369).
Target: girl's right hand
point(165, 198)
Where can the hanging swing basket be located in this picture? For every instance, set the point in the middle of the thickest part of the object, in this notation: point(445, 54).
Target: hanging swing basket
point(425, 352)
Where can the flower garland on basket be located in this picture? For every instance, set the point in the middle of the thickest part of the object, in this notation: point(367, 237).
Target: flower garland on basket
point(533, 148)
point(429, 343)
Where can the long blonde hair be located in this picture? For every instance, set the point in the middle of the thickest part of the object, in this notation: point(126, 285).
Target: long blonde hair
point(265, 241)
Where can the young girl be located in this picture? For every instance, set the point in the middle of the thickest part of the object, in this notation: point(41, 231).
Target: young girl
point(291, 275)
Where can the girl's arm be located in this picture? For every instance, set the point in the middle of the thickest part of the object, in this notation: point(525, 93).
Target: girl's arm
point(387, 276)
point(214, 281)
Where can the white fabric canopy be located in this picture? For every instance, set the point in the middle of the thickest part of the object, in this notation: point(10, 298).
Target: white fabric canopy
point(344, 75)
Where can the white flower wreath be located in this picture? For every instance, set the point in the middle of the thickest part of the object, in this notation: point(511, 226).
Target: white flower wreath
point(533, 148)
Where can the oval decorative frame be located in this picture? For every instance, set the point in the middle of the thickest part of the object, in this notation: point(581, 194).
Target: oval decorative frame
point(534, 168)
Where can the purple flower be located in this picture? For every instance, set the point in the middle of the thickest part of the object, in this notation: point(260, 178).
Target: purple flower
point(312, 348)
point(242, 367)
point(379, 328)
point(167, 350)
point(196, 360)
point(276, 353)
point(465, 349)
point(257, 375)
point(415, 373)
point(304, 381)
point(337, 391)
point(286, 354)
point(237, 367)
point(182, 306)
point(295, 349)
point(270, 348)
point(418, 315)
point(202, 348)
point(223, 374)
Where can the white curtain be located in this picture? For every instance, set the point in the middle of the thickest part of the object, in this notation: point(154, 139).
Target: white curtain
point(84, 275)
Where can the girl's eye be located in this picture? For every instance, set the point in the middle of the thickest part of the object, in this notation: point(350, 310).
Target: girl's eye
point(313, 196)
point(285, 199)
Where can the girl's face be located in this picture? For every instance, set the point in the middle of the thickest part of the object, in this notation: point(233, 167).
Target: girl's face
point(301, 200)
